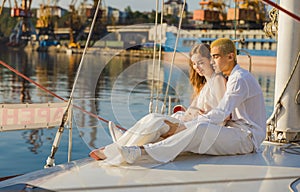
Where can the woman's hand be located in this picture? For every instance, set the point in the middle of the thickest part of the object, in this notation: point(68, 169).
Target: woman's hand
point(201, 112)
point(174, 128)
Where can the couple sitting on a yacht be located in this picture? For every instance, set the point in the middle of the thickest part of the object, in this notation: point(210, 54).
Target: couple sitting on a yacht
point(224, 118)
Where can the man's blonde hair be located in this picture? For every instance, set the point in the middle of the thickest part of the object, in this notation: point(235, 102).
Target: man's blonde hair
point(226, 46)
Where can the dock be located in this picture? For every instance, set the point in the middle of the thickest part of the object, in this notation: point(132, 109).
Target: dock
point(108, 52)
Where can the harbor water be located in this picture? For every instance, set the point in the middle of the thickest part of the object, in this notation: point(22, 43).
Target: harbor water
point(112, 87)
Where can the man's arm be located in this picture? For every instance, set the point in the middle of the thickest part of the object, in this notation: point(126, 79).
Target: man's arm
point(236, 93)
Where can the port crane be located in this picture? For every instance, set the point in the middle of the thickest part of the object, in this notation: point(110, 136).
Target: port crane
point(247, 13)
point(2, 5)
point(46, 23)
point(212, 14)
point(78, 23)
point(74, 25)
point(222, 14)
point(24, 31)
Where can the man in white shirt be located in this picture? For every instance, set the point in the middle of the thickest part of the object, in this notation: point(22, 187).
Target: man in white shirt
point(236, 126)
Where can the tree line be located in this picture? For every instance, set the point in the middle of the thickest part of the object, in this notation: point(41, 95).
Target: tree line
point(7, 23)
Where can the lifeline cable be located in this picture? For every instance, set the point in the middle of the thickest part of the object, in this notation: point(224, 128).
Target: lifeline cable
point(30, 80)
point(52, 93)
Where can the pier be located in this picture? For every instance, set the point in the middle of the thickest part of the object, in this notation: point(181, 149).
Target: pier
point(108, 51)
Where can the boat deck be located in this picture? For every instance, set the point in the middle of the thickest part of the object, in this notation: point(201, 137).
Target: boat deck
point(273, 169)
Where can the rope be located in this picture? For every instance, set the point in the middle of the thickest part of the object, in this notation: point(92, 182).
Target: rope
point(173, 58)
point(292, 186)
point(282, 9)
point(273, 118)
point(293, 148)
point(154, 56)
point(271, 28)
point(297, 98)
point(159, 56)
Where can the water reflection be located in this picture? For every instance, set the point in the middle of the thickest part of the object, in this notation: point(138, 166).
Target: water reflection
point(34, 139)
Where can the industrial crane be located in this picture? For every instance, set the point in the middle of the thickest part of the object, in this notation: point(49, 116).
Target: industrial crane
point(24, 31)
point(78, 23)
point(250, 13)
point(212, 12)
point(74, 25)
point(258, 7)
point(2, 5)
point(43, 21)
point(245, 13)
point(45, 25)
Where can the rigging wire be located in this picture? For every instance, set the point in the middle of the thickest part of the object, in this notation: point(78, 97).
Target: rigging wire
point(159, 56)
point(154, 57)
point(83, 56)
point(173, 58)
point(85, 49)
point(56, 142)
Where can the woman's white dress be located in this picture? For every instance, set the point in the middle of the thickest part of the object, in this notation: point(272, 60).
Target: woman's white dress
point(152, 126)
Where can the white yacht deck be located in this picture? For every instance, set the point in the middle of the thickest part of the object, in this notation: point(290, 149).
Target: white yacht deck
point(271, 170)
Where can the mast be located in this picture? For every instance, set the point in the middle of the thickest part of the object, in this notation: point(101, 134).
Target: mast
point(288, 47)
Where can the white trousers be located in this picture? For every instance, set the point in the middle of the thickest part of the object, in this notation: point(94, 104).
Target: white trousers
point(146, 130)
point(232, 139)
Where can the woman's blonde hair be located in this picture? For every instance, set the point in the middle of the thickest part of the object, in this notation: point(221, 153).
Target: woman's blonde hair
point(196, 80)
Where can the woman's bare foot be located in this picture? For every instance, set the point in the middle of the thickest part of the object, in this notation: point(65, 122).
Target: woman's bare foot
point(98, 154)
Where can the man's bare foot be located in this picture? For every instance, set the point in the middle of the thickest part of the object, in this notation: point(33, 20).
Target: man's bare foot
point(98, 154)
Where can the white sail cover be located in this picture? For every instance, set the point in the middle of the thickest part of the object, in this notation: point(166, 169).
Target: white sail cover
point(31, 116)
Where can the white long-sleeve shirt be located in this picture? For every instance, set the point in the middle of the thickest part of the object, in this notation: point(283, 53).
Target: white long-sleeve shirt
point(244, 100)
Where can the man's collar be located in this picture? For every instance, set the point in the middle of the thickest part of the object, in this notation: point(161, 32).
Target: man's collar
point(236, 67)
